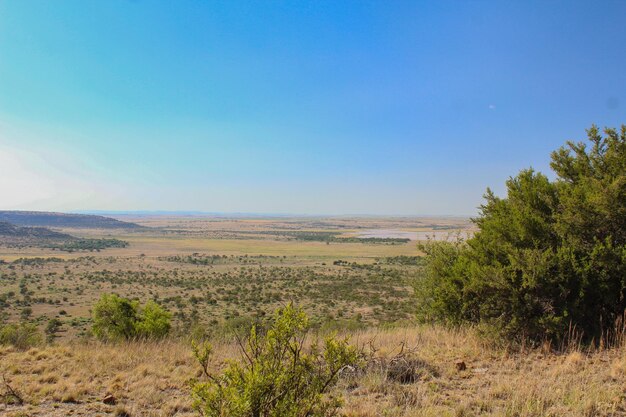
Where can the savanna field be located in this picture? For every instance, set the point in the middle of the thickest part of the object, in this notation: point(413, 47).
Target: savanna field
point(152, 378)
point(218, 276)
point(320, 208)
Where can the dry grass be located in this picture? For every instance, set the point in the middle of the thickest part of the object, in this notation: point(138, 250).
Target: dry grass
point(150, 379)
point(169, 235)
point(168, 245)
point(145, 378)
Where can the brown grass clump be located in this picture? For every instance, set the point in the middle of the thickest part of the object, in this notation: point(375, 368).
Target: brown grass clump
point(407, 372)
point(145, 378)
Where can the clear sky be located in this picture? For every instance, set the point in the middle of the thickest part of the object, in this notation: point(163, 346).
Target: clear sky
point(321, 107)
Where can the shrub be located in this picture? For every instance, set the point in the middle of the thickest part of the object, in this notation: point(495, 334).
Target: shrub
point(154, 321)
point(276, 376)
point(549, 257)
point(117, 318)
point(22, 336)
point(52, 329)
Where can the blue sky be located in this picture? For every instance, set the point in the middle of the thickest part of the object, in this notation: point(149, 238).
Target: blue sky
point(338, 107)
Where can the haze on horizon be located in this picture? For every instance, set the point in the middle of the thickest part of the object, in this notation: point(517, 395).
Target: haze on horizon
point(355, 107)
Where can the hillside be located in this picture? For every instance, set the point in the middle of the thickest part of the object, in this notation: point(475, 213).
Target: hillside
point(408, 371)
point(11, 230)
point(12, 236)
point(66, 220)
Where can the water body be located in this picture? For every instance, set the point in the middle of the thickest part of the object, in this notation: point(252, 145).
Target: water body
point(417, 235)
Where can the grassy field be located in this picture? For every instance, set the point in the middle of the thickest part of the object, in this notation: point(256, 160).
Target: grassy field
point(261, 265)
point(216, 275)
point(161, 246)
point(151, 379)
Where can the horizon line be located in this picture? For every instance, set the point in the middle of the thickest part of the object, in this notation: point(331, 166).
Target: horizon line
point(254, 214)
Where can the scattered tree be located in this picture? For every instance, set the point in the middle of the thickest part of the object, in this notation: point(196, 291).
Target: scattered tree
point(116, 318)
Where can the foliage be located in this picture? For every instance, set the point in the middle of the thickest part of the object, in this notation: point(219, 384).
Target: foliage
point(331, 236)
point(548, 258)
point(117, 318)
point(73, 245)
point(52, 329)
point(22, 336)
point(153, 322)
point(277, 375)
point(248, 287)
point(404, 260)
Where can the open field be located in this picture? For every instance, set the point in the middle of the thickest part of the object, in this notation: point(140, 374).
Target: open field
point(222, 270)
point(216, 275)
point(347, 208)
point(168, 235)
point(162, 246)
point(150, 379)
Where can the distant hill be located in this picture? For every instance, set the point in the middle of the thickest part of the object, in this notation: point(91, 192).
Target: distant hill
point(66, 220)
point(11, 230)
point(25, 236)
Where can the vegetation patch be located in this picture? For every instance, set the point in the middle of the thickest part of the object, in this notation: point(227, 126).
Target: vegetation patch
point(116, 318)
point(279, 373)
point(549, 259)
point(89, 245)
point(332, 237)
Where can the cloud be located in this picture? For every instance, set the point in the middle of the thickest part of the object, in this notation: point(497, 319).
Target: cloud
point(29, 179)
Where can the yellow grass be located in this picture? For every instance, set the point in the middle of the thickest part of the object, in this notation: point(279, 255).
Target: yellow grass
point(150, 379)
point(271, 247)
point(172, 245)
point(186, 235)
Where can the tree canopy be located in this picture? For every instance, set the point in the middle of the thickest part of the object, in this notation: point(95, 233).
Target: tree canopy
point(115, 318)
point(547, 258)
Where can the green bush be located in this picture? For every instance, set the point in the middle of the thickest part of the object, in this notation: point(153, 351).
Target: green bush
point(22, 336)
point(52, 329)
point(154, 321)
point(548, 258)
point(276, 376)
point(116, 318)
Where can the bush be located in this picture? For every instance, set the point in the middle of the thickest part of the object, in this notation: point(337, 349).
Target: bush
point(22, 336)
point(52, 329)
point(548, 258)
point(154, 321)
point(276, 376)
point(116, 318)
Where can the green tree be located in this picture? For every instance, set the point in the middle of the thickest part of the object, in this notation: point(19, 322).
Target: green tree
point(549, 256)
point(277, 376)
point(115, 318)
point(591, 222)
point(154, 321)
